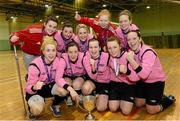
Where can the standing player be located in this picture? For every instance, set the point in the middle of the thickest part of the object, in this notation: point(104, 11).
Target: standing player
point(63, 37)
point(102, 26)
point(125, 21)
point(82, 38)
point(31, 38)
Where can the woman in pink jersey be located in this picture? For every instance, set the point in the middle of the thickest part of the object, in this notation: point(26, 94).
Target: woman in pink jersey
point(95, 63)
point(82, 38)
point(146, 64)
point(63, 37)
point(45, 80)
point(101, 26)
point(125, 21)
point(122, 85)
point(72, 68)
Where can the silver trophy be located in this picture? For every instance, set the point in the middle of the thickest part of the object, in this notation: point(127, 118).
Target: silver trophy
point(89, 105)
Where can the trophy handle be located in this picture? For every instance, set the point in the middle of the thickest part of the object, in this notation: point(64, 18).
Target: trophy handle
point(80, 107)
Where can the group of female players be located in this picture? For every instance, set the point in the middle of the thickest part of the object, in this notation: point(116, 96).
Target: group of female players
point(116, 65)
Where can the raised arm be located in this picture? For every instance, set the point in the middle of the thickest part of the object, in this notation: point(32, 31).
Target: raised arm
point(77, 16)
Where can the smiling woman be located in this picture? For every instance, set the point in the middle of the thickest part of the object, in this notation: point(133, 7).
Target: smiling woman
point(95, 63)
point(31, 37)
point(45, 80)
point(150, 85)
point(48, 49)
point(72, 68)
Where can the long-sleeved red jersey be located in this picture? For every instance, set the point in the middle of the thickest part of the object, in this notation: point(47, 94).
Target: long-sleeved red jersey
point(30, 39)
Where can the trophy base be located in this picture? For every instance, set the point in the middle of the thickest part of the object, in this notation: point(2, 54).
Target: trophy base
point(89, 117)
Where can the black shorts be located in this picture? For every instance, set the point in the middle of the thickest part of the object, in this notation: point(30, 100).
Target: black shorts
point(152, 92)
point(85, 77)
point(121, 91)
point(45, 92)
point(101, 88)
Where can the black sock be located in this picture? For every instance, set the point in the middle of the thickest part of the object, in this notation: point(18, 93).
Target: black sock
point(165, 103)
point(68, 95)
point(92, 93)
point(79, 92)
point(57, 100)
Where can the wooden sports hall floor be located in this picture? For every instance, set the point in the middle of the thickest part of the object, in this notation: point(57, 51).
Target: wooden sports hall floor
point(11, 106)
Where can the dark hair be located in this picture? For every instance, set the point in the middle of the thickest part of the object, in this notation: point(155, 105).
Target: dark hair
point(67, 24)
point(138, 34)
point(71, 44)
point(135, 31)
point(114, 38)
point(51, 18)
point(93, 40)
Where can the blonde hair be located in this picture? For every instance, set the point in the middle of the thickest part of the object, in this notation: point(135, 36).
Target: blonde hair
point(79, 26)
point(126, 12)
point(48, 40)
point(104, 12)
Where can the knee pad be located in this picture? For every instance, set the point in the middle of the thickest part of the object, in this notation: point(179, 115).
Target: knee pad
point(53, 90)
point(35, 99)
point(36, 104)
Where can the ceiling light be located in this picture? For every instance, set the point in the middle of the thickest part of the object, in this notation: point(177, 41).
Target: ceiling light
point(148, 7)
point(104, 5)
point(46, 5)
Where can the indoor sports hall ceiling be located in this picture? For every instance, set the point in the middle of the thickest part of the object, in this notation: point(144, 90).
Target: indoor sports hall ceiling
point(66, 8)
